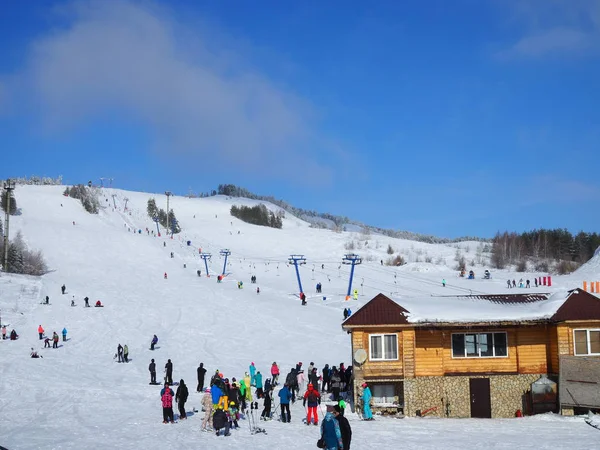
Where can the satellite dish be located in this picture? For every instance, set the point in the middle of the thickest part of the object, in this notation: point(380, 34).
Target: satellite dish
point(360, 356)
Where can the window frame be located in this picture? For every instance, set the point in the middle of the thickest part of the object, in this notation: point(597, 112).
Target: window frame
point(588, 343)
point(478, 341)
point(383, 358)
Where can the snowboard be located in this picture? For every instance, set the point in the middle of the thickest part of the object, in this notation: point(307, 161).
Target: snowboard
point(156, 384)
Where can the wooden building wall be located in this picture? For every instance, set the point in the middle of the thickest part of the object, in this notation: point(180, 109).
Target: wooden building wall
point(379, 369)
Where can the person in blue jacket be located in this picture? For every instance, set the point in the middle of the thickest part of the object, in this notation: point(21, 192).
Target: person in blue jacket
point(216, 393)
point(64, 333)
point(366, 399)
point(284, 400)
point(330, 431)
point(259, 384)
point(252, 374)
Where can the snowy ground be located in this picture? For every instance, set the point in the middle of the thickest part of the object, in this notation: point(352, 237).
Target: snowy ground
point(77, 397)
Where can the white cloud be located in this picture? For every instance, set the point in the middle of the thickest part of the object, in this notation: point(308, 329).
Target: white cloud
point(139, 60)
point(555, 28)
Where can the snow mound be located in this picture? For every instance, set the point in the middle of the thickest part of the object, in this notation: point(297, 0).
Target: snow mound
point(592, 267)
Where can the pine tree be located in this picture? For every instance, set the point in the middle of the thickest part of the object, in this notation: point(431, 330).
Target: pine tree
point(12, 201)
point(152, 208)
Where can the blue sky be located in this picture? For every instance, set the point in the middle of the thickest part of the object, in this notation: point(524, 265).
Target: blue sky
point(444, 117)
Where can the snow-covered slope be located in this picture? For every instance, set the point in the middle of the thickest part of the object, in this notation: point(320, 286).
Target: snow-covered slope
point(78, 397)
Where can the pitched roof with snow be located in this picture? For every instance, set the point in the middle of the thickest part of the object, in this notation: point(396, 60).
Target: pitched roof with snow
point(560, 306)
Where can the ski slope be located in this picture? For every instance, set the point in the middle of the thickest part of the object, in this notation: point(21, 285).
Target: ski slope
point(77, 397)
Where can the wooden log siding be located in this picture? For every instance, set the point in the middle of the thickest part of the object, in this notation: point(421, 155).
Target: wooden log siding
point(527, 353)
point(378, 369)
point(553, 358)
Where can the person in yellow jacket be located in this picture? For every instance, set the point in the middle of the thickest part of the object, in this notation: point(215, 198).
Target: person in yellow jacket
point(247, 385)
point(355, 294)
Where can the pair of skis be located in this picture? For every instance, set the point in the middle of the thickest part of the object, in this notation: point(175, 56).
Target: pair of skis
point(252, 422)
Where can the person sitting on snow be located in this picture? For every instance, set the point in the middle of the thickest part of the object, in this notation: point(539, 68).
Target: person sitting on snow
point(99, 304)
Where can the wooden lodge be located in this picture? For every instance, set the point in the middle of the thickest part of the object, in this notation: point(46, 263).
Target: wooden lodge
point(475, 355)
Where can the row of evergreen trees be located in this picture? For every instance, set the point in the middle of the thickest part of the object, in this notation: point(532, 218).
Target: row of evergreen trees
point(21, 259)
point(159, 214)
point(543, 246)
point(87, 195)
point(258, 215)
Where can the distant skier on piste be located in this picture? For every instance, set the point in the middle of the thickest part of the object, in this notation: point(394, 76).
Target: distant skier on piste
point(201, 372)
point(169, 372)
point(153, 342)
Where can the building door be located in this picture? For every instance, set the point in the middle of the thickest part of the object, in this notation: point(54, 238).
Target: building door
point(481, 405)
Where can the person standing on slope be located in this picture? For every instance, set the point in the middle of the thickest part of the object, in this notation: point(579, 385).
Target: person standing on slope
point(335, 384)
point(201, 373)
point(366, 400)
point(64, 334)
point(330, 431)
point(248, 384)
point(166, 396)
point(326, 374)
point(284, 400)
point(314, 398)
point(169, 372)
point(152, 370)
point(181, 397)
point(63, 288)
point(258, 380)
point(120, 353)
point(274, 373)
point(252, 369)
point(207, 406)
point(41, 332)
point(126, 353)
point(54, 340)
point(345, 429)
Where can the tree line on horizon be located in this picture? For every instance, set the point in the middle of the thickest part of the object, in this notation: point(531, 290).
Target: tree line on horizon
point(159, 215)
point(258, 215)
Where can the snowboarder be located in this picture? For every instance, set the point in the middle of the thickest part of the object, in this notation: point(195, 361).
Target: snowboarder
point(331, 435)
point(198, 272)
point(166, 396)
point(73, 301)
point(47, 300)
point(366, 401)
point(284, 400)
point(303, 298)
point(87, 302)
point(99, 304)
point(13, 335)
point(169, 372)
point(126, 353)
point(314, 398)
point(34, 354)
point(172, 256)
point(41, 332)
point(47, 343)
point(443, 282)
point(63, 288)
point(54, 340)
point(119, 353)
point(181, 397)
point(152, 370)
point(64, 334)
point(153, 342)
point(201, 373)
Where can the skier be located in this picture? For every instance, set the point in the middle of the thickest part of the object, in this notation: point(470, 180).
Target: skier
point(166, 396)
point(536, 282)
point(345, 429)
point(284, 400)
point(527, 284)
point(247, 382)
point(233, 415)
point(120, 353)
point(201, 372)
point(87, 302)
point(274, 373)
point(3, 332)
point(319, 287)
point(198, 272)
point(41, 332)
point(299, 380)
point(355, 293)
point(366, 401)
point(63, 288)
point(47, 343)
point(314, 398)
point(165, 275)
point(169, 372)
point(266, 413)
point(73, 301)
point(514, 284)
point(181, 397)
point(345, 313)
point(207, 406)
point(252, 369)
point(221, 422)
point(54, 340)
point(172, 255)
point(126, 353)
point(258, 290)
point(303, 298)
point(153, 342)
point(349, 312)
point(508, 284)
point(330, 431)
point(47, 300)
point(443, 282)
point(152, 370)
point(64, 334)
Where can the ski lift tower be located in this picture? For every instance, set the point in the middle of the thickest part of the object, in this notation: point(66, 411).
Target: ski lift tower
point(9, 186)
point(353, 260)
point(225, 252)
point(206, 257)
point(297, 260)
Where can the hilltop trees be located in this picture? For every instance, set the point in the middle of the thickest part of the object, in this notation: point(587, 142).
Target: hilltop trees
point(258, 215)
point(87, 195)
point(10, 202)
point(160, 215)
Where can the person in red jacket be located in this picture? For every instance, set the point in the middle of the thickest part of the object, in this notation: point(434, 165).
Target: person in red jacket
point(41, 332)
point(275, 373)
point(166, 397)
point(314, 398)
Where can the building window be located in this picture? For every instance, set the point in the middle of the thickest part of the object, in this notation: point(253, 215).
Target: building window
point(587, 342)
point(383, 347)
point(479, 345)
point(384, 394)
